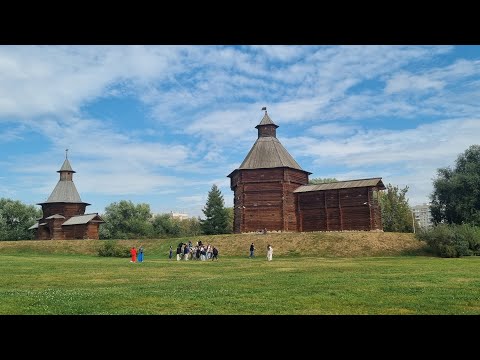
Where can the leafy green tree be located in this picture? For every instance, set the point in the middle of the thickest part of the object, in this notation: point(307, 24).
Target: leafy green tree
point(191, 226)
point(164, 225)
point(396, 213)
point(456, 195)
point(315, 181)
point(125, 220)
point(216, 221)
point(15, 219)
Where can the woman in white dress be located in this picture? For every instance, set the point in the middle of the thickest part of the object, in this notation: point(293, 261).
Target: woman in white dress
point(269, 252)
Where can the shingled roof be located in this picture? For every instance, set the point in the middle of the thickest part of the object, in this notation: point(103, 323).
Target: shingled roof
point(267, 151)
point(266, 121)
point(83, 219)
point(342, 185)
point(65, 190)
point(66, 166)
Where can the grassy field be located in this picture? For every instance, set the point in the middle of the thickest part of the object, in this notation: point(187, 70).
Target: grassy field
point(311, 273)
point(53, 283)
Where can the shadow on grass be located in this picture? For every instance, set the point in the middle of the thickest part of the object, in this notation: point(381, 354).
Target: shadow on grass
point(423, 251)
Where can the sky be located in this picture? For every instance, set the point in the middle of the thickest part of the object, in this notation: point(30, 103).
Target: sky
point(161, 124)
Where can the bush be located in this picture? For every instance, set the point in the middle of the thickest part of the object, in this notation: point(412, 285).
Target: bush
point(447, 240)
point(111, 249)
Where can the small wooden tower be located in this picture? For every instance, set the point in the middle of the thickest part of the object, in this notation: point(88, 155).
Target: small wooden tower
point(64, 212)
point(263, 185)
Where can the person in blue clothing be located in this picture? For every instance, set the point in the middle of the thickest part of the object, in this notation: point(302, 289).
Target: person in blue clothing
point(140, 254)
point(252, 251)
point(170, 253)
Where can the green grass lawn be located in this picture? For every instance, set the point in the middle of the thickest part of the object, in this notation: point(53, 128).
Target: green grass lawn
point(83, 284)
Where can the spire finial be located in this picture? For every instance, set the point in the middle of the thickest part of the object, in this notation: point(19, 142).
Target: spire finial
point(265, 108)
point(66, 154)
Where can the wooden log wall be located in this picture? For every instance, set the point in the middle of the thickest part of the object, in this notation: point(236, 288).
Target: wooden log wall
point(264, 199)
point(66, 209)
point(337, 210)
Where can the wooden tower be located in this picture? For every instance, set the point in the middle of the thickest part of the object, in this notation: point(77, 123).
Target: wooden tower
point(64, 212)
point(263, 185)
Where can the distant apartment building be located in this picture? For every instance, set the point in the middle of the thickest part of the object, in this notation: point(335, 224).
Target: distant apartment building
point(422, 215)
point(181, 216)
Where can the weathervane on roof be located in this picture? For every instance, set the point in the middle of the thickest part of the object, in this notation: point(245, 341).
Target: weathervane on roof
point(264, 108)
point(66, 153)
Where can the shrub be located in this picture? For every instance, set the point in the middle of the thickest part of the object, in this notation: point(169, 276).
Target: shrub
point(447, 240)
point(110, 248)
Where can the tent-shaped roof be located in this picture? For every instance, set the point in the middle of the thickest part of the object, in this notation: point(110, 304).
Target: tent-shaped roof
point(64, 191)
point(266, 121)
point(268, 152)
point(66, 166)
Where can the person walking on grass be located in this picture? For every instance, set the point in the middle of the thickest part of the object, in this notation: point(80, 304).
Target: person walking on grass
point(252, 251)
point(170, 253)
point(140, 254)
point(269, 252)
point(133, 252)
point(215, 253)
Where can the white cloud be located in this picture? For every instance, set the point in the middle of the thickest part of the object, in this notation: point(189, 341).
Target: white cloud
point(332, 129)
point(204, 103)
point(402, 82)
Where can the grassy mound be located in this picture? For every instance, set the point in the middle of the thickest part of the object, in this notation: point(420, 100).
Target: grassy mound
point(317, 244)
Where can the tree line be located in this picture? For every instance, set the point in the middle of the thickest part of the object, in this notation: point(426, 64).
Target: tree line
point(454, 200)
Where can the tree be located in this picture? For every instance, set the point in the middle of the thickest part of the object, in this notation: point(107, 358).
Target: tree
point(216, 221)
point(315, 181)
point(15, 219)
point(396, 213)
point(456, 195)
point(231, 217)
point(125, 220)
point(164, 225)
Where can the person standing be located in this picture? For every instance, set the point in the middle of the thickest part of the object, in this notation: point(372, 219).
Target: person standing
point(133, 252)
point(252, 251)
point(269, 252)
point(215, 253)
point(170, 253)
point(140, 254)
point(179, 252)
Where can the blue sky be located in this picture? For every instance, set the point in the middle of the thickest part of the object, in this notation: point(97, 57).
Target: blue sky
point(162, 124)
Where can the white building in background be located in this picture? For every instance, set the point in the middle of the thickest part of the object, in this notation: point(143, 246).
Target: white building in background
point(422, 215)
point(181, 216)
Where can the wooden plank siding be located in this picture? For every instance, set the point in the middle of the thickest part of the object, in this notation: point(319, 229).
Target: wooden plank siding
point(338, 210)
point(66, 209)
point(53, 230)
point(264, 199)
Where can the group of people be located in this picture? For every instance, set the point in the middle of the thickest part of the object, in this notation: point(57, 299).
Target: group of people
point(198, 252)
point(136, 256)
point(269, 252)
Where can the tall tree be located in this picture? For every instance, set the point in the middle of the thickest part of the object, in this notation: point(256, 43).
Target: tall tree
point(396, 213)
point(125, 220)
point(15, 219)
point(216, 221)
point(315, 181)
point(456, 195)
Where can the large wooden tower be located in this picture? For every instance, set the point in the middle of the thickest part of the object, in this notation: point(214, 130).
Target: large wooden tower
point(263, 185)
